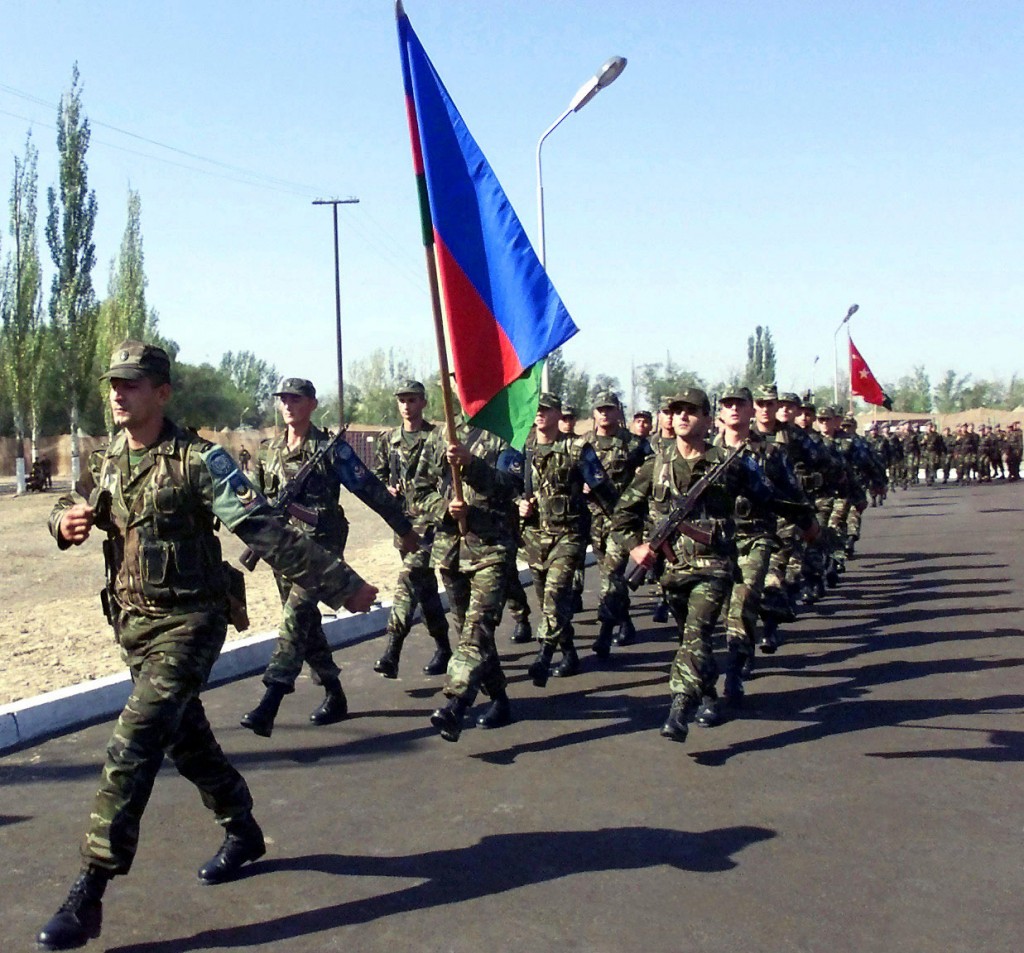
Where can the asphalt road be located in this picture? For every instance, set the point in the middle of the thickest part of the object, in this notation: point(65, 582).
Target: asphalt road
point(867, 798)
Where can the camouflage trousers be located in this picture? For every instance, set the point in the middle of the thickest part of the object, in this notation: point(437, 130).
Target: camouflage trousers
point(854, 520)
point(931, 461)
point(300, 638)
point(170, 660)
point(753, 556)
point(476, 599)
point(784, 566)
point(417, 586)
point(611, 561)
point(515, 595)
point(695, 602)
point(554, 558)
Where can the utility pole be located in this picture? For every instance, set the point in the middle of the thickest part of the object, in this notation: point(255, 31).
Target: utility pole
point(334, 203)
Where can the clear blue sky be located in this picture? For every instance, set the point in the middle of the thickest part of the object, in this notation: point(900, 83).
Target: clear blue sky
point(757, 162)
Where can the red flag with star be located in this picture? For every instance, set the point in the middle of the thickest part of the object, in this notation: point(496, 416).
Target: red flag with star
point(862, 382)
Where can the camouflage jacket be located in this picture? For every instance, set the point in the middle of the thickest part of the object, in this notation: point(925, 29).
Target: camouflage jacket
point(554, 476)
point(322, 489)
point(162, 554)
point(396, 459)
point(621, 455)
point(658, 482)
point(491, 482)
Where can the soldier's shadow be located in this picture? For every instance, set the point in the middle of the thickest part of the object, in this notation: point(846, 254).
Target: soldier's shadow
point(494, 865)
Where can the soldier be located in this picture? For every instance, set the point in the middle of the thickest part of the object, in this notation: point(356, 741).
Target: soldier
point(567, 424)
point(555, 469)
point(1014, 451)
point(755, 525)
point(474, 564)
point(971, 446)
point(398, 456)
point(933, 450)
point(641, 425)
point(300, 637)
point(695, 575)
point(244, 458)
point(620, 453)
point(157, 491)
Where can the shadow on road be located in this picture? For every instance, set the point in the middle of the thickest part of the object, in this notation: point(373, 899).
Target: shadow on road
point(493, 865)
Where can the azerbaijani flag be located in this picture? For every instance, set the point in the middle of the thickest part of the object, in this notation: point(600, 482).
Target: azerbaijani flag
point(504, 315)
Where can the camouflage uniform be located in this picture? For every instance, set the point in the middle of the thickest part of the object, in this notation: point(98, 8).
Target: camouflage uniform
point(300, 637)
point(555, 475)
point(1014, 451)
point(475, 566)
point(933, 450)
point(397, 459)
point(168, 598)
point(620, 454)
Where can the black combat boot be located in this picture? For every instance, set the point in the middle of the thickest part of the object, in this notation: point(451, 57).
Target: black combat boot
point(676, 726)
point(602, 646)
point(261, 719)
point(570, 664)
point(498, 713)
point(577, 602)
point(627, 633)
point(243, 842)
point(80, 916)
point(522, 633)
point(540, 667)
point(708, 714)
point(768, 643)
point(387, 664)
point(448, 720)
point(334, 707)
point(734, 668)
point(660, 614)
point(438, 663)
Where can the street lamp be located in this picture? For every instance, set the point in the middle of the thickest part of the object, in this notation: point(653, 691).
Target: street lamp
point(835, 349)
point(605, 76)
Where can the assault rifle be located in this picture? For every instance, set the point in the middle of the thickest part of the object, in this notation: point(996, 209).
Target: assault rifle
point(286, 499)
point(676, 522)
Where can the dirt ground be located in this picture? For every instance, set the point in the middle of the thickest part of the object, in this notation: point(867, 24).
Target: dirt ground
point(52, 632)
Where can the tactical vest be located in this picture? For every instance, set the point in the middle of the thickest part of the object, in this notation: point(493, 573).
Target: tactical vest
point(161, 552)
point(557, 485)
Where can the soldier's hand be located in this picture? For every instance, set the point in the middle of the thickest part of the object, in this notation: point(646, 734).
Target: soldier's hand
point(362, 599)
point(526, 508)
point(458, 509)
point(410, 542)
point(76, 523)
point(458, 454)
point(393, 490)
point(642, 555)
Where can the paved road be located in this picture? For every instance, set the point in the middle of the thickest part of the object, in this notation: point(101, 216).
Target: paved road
point(868, 799)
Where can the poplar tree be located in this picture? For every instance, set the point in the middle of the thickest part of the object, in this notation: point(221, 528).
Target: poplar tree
point(21, 303)
point(69, 226)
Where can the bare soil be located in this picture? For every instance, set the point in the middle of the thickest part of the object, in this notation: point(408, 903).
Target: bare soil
point(52, 631)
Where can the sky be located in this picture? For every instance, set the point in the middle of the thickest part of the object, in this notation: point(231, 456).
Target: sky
point(757, 163)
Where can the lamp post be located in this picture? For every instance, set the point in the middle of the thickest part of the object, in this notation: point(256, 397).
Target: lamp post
point(334, 203)
point(835, 349)
point(814, 367)
point(605, 76)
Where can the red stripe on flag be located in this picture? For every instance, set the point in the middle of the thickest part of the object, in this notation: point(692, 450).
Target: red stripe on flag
point(414, 136)
point(482, 354)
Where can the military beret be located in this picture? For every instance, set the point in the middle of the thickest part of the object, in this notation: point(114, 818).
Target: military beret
point(134, 360)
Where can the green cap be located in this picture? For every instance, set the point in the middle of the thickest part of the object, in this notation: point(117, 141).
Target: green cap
point(788, 397)
point(133, 360)
point(827, 413)
point(646, 414)
point(549, 401)
point(736, 393)
point(693, 396)
point(296, 387)
point(606, 398)
point(766, 392)
point(411, 387)
point(569, 411)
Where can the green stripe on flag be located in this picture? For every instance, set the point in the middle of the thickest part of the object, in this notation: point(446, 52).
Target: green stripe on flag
point(511, 411)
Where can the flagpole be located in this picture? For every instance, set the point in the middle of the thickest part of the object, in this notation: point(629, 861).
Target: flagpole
point(849, 369)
